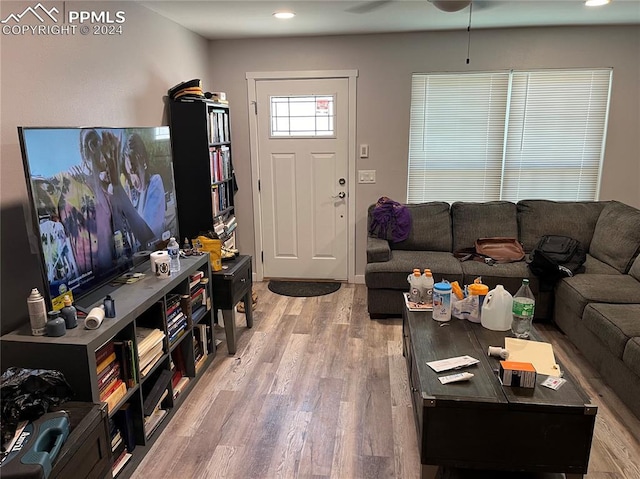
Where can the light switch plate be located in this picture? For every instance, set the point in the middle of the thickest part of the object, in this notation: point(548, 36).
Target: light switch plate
point(364, 151)
point(366, 176)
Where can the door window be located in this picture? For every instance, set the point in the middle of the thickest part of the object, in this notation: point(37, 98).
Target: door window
point(302, 116)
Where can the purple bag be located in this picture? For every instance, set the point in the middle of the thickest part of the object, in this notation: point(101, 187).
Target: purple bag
point(390, 220)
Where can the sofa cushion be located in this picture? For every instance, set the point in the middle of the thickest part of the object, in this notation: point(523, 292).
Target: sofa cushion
point(482, 220)
point(576, 219)
point(635, 268)
point(430, 228)
point(614, 324)
point(631, 355)
point(393, 274)
point(616, 239)
point(582, 289)
point(508, 275)
point(595, 266)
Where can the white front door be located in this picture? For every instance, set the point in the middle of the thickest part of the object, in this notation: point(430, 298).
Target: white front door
point(303, 164)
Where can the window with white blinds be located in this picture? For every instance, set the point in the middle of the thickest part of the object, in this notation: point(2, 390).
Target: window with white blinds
point(507, 135)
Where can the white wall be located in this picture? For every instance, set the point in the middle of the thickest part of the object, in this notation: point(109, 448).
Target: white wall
point(385, 63)
point(77, 80)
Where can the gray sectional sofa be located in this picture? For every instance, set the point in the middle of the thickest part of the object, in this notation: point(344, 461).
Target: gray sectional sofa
point(598, 310)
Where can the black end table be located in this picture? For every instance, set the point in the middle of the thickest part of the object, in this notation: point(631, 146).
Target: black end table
point(231, 285)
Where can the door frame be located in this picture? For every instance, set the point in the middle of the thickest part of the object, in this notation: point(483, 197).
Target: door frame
point(252, 78)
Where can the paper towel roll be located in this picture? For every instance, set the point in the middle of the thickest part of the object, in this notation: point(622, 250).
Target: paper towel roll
point(156, 256)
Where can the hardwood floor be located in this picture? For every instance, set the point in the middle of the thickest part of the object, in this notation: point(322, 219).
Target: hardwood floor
point(318, 390)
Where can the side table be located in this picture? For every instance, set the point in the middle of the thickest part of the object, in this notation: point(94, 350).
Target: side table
point(231, 285)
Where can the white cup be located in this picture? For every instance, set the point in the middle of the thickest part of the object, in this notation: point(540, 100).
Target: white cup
point(162, 268)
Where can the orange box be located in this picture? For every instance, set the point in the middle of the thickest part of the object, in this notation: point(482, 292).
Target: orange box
point(517, 374)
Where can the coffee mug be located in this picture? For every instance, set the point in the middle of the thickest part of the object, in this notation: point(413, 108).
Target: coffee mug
point(162, 269)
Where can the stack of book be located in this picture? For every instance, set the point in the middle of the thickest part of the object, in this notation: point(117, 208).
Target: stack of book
point(179, 378)
point(198, 291)
point(152, 407)
point(150, 348)
point(126, 357)
point(119, 451)
point(110, 384)
point(122, 438)
point(200, 345)
point(176, 319)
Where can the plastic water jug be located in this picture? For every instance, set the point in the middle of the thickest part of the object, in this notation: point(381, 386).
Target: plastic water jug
point(496, 309)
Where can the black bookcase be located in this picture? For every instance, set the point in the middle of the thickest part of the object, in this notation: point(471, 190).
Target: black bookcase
point(202, 162)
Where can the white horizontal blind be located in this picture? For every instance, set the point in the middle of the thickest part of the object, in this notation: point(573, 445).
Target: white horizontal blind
point(556, 132)
point(462, 149)
point(456, 136)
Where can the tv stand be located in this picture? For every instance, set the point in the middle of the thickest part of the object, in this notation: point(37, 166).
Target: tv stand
point(184, 354)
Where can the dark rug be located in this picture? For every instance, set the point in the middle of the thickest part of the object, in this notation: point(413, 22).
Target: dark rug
point(303, 288)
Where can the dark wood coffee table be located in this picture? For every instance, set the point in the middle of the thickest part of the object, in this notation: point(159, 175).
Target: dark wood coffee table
point(479, 424)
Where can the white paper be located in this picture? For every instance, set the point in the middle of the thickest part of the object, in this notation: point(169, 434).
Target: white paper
point(452, 363)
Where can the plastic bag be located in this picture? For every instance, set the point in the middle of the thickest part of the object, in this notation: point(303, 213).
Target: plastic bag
point(214, 248)
point(27, 394)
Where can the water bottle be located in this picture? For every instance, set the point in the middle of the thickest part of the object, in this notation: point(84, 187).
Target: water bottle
point(174, 255)
point(524, 304)
point(37, 312)
point(414, 286)
point(427, 281)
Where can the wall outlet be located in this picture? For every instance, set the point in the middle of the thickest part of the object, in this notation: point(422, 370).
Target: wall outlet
point(364, 151)
point(366, 176)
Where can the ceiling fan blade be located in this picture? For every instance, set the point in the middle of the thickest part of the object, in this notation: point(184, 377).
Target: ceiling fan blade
point(368, 6)
point(450, 5)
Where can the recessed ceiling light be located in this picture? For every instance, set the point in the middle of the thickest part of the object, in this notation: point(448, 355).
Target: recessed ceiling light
point(596, 3)
point(284, 15)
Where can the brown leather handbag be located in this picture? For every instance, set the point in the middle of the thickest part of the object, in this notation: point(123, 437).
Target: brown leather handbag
point(499, 249)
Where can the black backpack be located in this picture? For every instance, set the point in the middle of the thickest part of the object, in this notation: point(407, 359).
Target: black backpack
point(556, 257)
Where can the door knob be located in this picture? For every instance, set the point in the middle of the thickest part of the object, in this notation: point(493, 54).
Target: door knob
point(340, 195)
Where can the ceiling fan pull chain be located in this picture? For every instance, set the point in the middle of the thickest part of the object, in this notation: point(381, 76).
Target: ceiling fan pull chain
point(469, 32)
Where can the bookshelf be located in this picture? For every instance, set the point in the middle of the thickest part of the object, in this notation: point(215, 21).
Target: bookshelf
point(203, 168)
point(142, 363)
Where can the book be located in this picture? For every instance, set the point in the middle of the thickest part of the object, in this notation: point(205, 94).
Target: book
point(105, 363)
point(103, 352)
point(109, 387)
point(151, 422)
point(147, 338)
point(116, 396)
point(123, 420)
point(180, 386)
point(124, 353)
point(120, 463)
point(108, 373)
point(159, 386)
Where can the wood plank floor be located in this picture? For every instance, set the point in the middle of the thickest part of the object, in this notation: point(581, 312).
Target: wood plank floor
point(318, 390)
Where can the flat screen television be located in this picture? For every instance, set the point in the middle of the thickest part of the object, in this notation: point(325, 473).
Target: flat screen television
point(100, 198)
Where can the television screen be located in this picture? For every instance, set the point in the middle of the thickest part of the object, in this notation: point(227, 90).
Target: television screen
point(98, 197)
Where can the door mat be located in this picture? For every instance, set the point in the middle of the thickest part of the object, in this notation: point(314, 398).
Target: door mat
point(303, 288)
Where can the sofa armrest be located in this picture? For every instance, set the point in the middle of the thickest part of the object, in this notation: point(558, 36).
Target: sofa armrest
point(378, 250)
